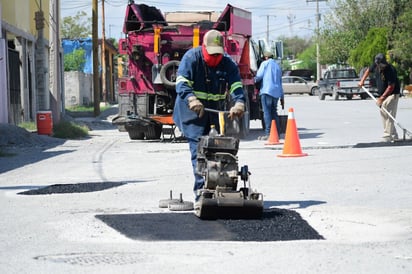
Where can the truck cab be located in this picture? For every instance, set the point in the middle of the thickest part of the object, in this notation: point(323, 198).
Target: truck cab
point(340, 82)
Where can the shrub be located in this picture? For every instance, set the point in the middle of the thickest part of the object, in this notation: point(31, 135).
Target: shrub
point(69, 130)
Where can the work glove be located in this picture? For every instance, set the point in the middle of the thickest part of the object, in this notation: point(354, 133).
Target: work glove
point(237, 110)
point(282, 102)
point(196, 106)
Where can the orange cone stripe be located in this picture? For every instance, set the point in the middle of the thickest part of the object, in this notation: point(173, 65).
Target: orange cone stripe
point(273, 136)
point(292, 144)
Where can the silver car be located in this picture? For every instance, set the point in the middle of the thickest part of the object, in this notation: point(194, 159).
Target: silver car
point(298, 85)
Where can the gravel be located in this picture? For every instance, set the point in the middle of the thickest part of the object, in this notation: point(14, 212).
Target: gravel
point(12, 136)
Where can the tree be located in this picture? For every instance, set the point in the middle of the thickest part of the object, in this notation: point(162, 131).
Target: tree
point(79, 26)
point(293, 46)
point(375, 42)
point(308, 57)
point(358, 29)
point(348, 25)
point(335, 46)
point(75, 60)
point(402, 50)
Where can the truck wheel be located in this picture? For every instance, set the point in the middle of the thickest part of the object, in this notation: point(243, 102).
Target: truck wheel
point(322, 95)
point(135, 134)
point(349, 96)
point(335, 96)
point(153, 132)
point(168, 73)
point(364, 96)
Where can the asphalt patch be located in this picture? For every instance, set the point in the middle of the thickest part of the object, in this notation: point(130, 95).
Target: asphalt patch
point(275, 225)
point(396, 143)
point(72, 188)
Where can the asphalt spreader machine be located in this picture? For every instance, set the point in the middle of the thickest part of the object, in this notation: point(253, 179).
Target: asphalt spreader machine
point(222, 196)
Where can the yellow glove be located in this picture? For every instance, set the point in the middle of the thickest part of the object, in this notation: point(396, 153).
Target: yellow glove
point(237, 110)
point(196, 106)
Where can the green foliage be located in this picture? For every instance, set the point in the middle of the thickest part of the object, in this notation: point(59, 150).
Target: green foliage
point(78, 26)
point(69, 130)
point(349, 24)
point(75, 60)
point(30, 126)
point(87, 108)
point(308, 58)
point(402, 45)
point(375, 42)
point(335, 46)
point(286, 65)
point(294, 45)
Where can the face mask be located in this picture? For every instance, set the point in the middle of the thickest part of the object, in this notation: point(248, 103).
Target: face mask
point(211, 60)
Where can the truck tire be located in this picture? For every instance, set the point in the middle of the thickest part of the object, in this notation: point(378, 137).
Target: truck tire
point(135, 133)
point(321, 95)
point(349, 96)
point(168, 73)
point(153, 132)
point(335, 96)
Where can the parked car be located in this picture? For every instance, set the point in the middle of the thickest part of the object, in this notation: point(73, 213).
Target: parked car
point(306, 74)
point(298, 85)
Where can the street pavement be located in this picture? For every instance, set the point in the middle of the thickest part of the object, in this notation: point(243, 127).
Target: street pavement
point(354, 190)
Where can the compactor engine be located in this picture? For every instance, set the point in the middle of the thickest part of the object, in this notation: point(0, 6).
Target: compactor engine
point(221, 198)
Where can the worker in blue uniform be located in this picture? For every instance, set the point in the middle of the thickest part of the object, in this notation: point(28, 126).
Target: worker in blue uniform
point(206, 77)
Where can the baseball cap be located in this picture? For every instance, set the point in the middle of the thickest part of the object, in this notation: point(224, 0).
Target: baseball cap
point(213, 41)
point(267, 53)
point(380, 58)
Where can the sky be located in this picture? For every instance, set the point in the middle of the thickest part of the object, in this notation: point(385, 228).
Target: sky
point(285, 18)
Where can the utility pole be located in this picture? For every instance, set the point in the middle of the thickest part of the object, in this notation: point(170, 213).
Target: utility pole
point(318, 72)
point(57, 105)
point(103, 56)
point(96, 93)
point(267, 26)
point(43, 96)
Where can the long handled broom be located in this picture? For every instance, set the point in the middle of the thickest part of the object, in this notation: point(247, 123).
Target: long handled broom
point(404, 130)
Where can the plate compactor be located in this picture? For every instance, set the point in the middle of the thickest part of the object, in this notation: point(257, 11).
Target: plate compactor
point(220, 197)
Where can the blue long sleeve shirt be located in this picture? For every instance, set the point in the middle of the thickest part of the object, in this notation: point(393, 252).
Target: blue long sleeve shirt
point(270, 76)
point(191, 81)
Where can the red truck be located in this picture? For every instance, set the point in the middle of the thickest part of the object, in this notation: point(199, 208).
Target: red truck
point(154, 47)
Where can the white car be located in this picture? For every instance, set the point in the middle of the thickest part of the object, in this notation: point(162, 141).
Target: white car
point(298, 85)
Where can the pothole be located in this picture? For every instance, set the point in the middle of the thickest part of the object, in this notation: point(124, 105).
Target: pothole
point(72, 188)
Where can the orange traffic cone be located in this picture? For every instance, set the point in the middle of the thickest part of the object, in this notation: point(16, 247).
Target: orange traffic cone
point(273, 136)
point(292, 144)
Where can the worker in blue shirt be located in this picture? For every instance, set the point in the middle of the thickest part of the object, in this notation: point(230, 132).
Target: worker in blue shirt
point(271, 91)
point(206, 77)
